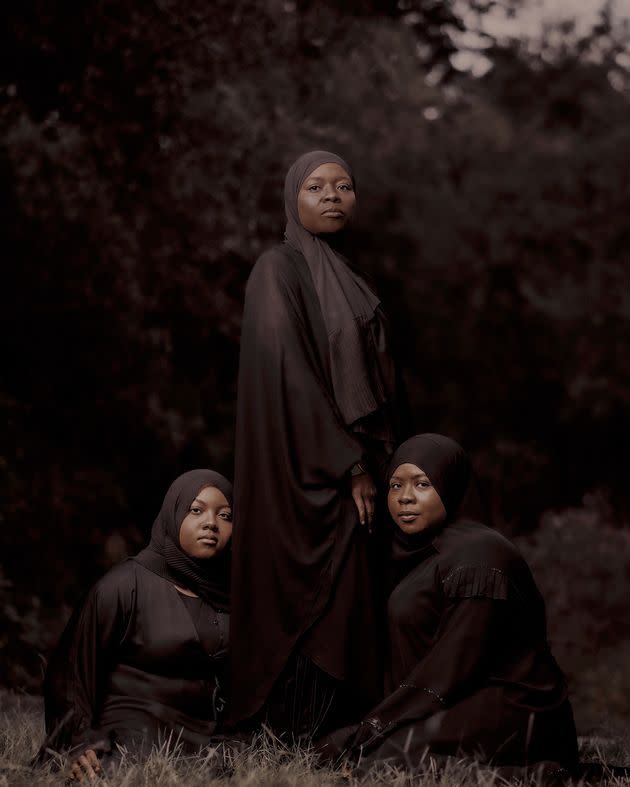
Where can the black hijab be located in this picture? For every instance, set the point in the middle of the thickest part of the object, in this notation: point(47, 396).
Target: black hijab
point(210, 579)
point(362, 373)
point(448, 467)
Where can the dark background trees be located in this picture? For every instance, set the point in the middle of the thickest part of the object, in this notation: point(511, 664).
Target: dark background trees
point(143, 152)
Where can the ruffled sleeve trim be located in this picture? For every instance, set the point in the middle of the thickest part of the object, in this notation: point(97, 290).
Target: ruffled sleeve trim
point(476, 581)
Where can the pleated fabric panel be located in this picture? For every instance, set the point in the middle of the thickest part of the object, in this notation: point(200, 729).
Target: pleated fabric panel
point(470, 581)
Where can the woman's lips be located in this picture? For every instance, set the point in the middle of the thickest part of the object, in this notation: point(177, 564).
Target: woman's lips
point(210, 541)
point(408, 516)
point(334, 214)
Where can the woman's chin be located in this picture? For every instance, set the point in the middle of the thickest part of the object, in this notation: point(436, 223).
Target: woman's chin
point(206, 552)
point(411, 528)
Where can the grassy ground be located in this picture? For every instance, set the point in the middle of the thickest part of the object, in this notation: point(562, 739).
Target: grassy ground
point(267, 763)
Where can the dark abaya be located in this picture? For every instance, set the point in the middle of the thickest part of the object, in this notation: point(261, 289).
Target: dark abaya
point(138, 660)
point(469, 669)
point(316, 394)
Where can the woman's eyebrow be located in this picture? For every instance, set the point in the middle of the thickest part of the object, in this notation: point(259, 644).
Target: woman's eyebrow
point(197, 500)
point(318, 179)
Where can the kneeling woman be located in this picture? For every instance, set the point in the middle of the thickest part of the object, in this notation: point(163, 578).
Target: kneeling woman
point(143, 657)
point(470, 670)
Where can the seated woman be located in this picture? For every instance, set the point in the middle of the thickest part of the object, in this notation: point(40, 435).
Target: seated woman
point(142, 658)
point(470, 670)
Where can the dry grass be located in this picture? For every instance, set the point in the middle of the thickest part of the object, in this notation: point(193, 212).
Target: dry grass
point(267, 763)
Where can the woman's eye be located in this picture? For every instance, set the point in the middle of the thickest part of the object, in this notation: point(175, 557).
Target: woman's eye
point(313, 188)
point(195, 510)
point(394, 486)
point(345, 187)
point(227, 515)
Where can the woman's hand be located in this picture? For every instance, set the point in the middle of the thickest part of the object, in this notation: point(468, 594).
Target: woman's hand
point(364, 495)
point(86, 765)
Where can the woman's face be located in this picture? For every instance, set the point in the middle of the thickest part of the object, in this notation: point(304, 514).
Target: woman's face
point(207, 527)
point(412, 500)
point(326, 200)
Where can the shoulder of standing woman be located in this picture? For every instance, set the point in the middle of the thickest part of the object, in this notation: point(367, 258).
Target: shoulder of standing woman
point(277, 264)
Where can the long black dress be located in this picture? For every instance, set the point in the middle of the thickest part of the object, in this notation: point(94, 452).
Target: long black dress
point(296, 454)
point(135, 665)
point(470, 669)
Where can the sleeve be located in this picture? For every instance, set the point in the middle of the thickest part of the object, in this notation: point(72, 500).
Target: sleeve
point(291, 375)
point(77, 673)
point(459, 658)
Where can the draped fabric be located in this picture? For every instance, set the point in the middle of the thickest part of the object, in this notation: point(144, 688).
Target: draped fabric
point(302, 700)
point(362, 374)
point(301, 576)
point(210, 579)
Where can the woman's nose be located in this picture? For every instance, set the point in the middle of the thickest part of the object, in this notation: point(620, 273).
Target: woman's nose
point(405, 497)
point(211, 524)
point(330, 195)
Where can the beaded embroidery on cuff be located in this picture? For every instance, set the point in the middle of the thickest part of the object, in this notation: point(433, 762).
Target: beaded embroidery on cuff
point(374, 723)
point(432, 692)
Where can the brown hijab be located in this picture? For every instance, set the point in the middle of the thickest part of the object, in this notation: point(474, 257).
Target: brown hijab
point(361, 369)
point(449, 469)
point(210, 579)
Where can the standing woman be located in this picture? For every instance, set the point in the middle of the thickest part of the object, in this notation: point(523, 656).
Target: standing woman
point(143, 657)
point(316, 408)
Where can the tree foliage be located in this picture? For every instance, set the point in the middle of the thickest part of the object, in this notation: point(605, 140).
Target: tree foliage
point(144, 148)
